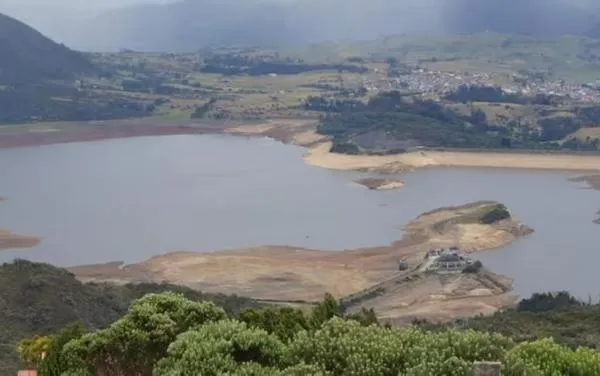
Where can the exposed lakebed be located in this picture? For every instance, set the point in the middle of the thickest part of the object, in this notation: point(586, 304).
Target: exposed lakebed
point(131, 199)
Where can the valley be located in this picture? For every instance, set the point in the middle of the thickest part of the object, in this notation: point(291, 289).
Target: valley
point(422, 180)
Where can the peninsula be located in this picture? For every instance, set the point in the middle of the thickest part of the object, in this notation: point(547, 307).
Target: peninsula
point(288, 274)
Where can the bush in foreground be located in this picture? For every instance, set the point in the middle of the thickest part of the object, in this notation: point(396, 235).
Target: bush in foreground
point(166, 334)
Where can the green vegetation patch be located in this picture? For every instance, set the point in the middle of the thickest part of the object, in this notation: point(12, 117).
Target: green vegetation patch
point(494, 214)
point(42, 299)
point(167, 334)
point(568, 320)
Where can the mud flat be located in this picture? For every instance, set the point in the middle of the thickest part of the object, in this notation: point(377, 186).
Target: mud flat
point(380, 184)
point(96, 133)
point(293, 274)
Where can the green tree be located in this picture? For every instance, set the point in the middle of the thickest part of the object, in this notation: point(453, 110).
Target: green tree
point(284, 322)
point(33, 350)
point(365, 317)
point(133, 344)
point(224, 347)
point(54, 363)
point(325, 311)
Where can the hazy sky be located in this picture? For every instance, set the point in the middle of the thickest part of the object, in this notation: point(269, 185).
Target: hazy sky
point(73, 4)
point(73, 22)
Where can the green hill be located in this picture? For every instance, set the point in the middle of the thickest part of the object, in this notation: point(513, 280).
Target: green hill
point(42, 299)
point(41, 80)
point(29, 56)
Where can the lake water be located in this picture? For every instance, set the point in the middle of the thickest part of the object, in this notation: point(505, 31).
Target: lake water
point(131, 199)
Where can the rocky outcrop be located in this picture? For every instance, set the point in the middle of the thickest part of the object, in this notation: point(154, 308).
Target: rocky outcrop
point(381, 184)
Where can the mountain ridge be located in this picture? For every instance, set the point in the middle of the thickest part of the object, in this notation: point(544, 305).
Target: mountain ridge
point(188, 25)
point(29, 56)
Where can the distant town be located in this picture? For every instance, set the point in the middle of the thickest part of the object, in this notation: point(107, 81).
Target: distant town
point(426, 81)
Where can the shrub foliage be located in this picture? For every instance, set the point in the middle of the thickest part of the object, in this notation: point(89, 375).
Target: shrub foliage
point(167, 334)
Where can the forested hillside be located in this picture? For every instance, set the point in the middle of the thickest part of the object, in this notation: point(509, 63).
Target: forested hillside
point(42, 299)
point(40, 81)
point(28, 56)
point(166, 334)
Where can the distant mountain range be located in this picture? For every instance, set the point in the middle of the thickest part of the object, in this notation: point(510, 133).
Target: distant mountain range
point(191, 24)
point(188, 25)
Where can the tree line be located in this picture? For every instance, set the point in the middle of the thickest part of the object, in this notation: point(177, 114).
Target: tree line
point(167, 334)
point(412, 121)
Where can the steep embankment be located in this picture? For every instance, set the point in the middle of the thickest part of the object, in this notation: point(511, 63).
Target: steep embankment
point(288, 273)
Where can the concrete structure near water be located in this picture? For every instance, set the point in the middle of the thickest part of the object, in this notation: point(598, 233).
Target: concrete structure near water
point(450, 260)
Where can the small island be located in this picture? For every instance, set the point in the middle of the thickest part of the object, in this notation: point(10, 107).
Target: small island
point(378, 184)
point(8, 240)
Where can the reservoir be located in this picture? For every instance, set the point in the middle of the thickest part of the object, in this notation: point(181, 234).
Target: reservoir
point(131, 199)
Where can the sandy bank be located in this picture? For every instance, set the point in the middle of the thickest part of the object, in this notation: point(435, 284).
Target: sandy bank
point(289, 273)
point(320, 156)
point(380, 184)
point(8, 240)
point(302, 132)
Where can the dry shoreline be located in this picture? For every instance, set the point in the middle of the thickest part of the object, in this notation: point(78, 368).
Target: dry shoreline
point(302, 132)
point(320, 156)
point(286, 273)
point(97, 133)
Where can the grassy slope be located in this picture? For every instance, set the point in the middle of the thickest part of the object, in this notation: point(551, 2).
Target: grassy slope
point(569, 57)
point(41, 299)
